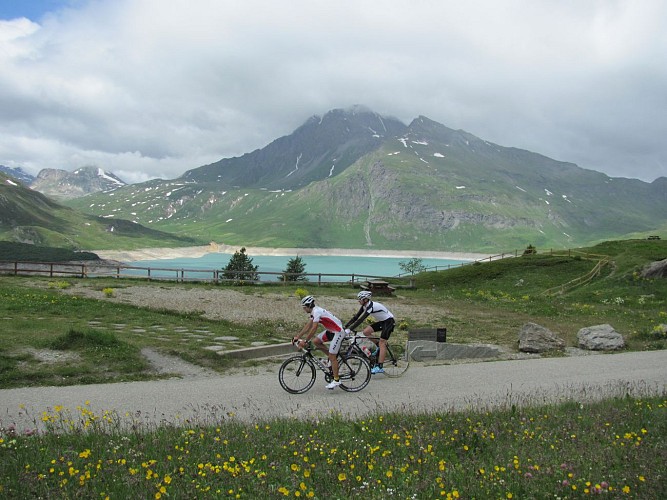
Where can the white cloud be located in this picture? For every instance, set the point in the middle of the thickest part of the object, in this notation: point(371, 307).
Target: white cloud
point(147, 88)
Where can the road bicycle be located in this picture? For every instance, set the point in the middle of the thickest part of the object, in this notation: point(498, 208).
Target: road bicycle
point(396, 359)
point(297, 374)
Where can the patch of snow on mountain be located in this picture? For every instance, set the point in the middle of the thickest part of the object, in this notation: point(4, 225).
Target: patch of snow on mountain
point(549, 193)
point(404, 141)
point(521, 189)
point(10, 182)
point(296, 165)
point(438, 155)
point(460, 187)
point(423, 143)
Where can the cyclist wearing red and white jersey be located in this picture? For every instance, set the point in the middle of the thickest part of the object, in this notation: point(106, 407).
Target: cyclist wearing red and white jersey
point(333, 333)
point(384, 322)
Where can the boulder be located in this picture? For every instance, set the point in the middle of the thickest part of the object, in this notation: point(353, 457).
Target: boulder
point(600, 338)
point(537, 339)
point(656, 269)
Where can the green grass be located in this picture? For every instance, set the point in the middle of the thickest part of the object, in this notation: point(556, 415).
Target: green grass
point(616, 448)
point(35, 315)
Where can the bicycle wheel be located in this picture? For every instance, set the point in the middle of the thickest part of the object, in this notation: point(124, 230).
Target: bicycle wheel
point(396, 361)
point(297, 374)
point(354, 373)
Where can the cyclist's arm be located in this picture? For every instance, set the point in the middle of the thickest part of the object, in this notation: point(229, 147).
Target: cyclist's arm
point(354, 318)
point(358, 319)
point(309, 330)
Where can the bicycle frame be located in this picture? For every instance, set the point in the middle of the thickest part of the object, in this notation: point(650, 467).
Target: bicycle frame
point(297, 374)
point(395, 365)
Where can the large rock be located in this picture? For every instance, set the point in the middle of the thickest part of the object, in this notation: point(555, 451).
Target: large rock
point(600, 338)
point(536, 338)
point(657, 269)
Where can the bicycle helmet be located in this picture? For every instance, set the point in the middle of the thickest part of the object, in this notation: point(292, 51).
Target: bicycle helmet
point(364, 294)
point(308, 301)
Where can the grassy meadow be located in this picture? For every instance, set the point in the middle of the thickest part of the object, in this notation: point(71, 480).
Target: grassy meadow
point(617, 447)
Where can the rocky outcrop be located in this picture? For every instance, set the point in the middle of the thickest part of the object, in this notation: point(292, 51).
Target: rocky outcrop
point(537, 339)
point(600, 338)
point(65, 185)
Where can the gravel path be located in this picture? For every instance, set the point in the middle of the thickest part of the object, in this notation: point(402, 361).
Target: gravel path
point(256, 397)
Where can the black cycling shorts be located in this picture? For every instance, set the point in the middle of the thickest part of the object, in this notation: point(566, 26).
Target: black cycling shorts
point(386, 327)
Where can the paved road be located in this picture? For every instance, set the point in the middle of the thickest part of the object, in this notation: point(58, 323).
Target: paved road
point(441, 387)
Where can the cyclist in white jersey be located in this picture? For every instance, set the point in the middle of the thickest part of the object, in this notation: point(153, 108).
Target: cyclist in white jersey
point(333, 333)
point(384, 323)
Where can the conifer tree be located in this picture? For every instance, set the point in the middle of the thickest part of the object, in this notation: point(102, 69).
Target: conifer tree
point(294, 270)
point(240, 267)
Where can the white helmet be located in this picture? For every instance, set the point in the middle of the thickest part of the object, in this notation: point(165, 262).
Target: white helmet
point(364, 294)
point(308, 301)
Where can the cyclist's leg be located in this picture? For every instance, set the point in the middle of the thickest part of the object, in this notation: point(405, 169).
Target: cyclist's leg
point(320, 339)
point(334, 347)
point(387, 326)
point(370, 331)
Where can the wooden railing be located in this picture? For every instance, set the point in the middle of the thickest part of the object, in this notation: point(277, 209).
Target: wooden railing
point(93, 269)
point(460, 264)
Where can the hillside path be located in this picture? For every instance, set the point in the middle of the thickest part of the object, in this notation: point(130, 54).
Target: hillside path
point(253, 397)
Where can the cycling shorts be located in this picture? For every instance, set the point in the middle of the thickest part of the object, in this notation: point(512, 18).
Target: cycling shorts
point(386, 327)
point(335, 339)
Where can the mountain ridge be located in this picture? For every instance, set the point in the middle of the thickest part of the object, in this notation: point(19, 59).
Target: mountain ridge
point(353, 179)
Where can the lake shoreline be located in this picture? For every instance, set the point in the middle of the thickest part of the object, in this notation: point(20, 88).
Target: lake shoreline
point(199, 251)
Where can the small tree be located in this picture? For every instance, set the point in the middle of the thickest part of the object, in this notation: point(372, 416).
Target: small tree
point(294, 270)
point(530, 249)
point(412, 266)
point(240, 267)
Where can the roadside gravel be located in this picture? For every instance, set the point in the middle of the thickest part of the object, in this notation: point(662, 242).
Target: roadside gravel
point(247, 308)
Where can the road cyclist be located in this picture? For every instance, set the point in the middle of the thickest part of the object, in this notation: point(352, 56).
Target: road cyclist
point(384, 323)
point(333, 333)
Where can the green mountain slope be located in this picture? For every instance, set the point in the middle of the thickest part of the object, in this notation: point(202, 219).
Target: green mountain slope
point(27, 216)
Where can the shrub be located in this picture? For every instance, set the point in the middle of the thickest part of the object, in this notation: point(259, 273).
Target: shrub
point(530, 249)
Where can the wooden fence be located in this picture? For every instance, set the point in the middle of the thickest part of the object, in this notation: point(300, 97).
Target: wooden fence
point(94, 269)
point(478, 261)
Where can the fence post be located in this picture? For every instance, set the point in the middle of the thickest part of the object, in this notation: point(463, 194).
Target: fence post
point(319, 279)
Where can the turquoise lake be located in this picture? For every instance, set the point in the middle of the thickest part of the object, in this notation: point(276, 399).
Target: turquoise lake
point(346, 266)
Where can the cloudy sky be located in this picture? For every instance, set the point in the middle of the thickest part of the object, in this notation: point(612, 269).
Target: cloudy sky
point(151, 88)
